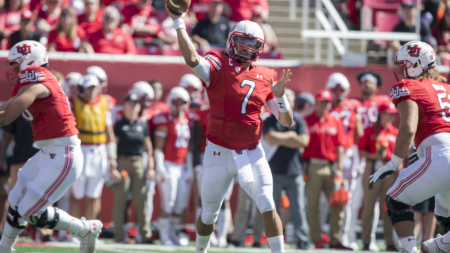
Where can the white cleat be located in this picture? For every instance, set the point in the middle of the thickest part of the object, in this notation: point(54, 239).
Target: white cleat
point(435, 246)
point(222, 242)
point(88, 240)
point(373, 247)
point(3, 250)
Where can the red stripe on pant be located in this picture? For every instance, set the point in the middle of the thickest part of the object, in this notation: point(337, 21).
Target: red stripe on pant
point(413, 177)
point(62, 176)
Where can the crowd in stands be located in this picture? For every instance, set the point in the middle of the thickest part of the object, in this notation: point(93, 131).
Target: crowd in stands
point(124, 26)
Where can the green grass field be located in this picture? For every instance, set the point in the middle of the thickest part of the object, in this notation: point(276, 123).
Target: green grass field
point(108, 247)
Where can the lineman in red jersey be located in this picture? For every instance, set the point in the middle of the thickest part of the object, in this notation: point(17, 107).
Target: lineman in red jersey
point(423, 104)
point(50, 173)
point(344, 110)
point(174, 178)
point(237, 90)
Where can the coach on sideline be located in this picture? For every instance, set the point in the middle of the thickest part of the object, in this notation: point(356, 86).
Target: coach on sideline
point(283, 155)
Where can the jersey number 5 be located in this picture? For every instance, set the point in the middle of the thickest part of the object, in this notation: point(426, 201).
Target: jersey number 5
point(252, 85)
point(444, 104)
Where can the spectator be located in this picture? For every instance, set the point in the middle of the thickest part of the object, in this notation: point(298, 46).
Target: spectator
point(283, 155)
point(305, 104)
point(119, 4)
point(324, 149)
point(442, 35)
point(377, 146)
point(408, 24)
point(68, 36)
point(48, 16)
point(238, 10)
point(10, 17)
point(138, 20)
point(198, 10)
point(25, 32)
point(212, 30)
point(132, 137)
point(91, 20)
point(111, 39)
point(260, 17)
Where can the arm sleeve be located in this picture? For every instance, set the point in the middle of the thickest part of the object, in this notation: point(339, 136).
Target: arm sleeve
point(273, 106)
point(203, 70)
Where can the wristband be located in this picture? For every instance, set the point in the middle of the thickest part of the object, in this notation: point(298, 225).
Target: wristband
point(396, 160)
point(179, 24)
point(111, 150)
point(283, 104)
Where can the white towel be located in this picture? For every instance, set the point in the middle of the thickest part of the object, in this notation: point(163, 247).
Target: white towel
point(244, 169)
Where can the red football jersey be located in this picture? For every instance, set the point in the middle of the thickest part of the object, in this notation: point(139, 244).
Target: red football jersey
point(159, 108)
point(50, 117)
point(119, 42)
point(178, 135)
point(386, 138)
point(433, 100)
point(369, 109)
point(236, 97)
point(62, 42)
point(324, 137)
point(200, 8)
point(10, 20)
point(346, 113)
point(136, 18)
point(91, 26)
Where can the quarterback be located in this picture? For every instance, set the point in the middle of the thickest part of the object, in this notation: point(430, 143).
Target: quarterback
point(422, 100)
point(237, 90)
point(48, 175)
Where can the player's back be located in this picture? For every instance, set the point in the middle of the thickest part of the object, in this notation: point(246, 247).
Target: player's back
point(346, 113)
point(236, 96)
point(433, 100)
point(50, 117)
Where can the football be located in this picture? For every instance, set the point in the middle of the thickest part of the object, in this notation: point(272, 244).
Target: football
point(178, 7)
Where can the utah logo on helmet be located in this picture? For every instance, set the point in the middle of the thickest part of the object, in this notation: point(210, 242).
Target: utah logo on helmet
point(413, 59)
point(25, 54)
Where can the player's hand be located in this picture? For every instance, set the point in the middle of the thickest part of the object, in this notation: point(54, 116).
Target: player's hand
point(115, 175)
point(384, 171)
point(150, 175)
point(161, 174)
point(278, 88)
point(174, 16)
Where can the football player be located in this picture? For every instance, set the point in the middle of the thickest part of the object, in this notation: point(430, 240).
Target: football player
point(237, 90)
point(52, 171)
point(174, 178)
point(422, 99)
point(345, 111)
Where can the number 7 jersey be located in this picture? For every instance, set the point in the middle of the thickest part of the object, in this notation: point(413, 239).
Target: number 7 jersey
point(432, 98)
point(236, 96)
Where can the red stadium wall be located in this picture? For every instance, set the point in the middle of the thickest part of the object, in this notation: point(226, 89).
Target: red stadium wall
point(122, 74)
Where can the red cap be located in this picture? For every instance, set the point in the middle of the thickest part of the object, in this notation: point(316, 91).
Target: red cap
point(388, 108)
point(324, 95)
point(26, 14)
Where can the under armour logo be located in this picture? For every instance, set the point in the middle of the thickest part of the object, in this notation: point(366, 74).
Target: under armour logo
point(414, 51)
point(281, 105)
point(259, 76)
point(52, 156)
point(24, 49)
point(216, 153)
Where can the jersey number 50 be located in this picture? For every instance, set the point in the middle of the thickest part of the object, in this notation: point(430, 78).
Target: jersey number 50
point(444, 104)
